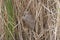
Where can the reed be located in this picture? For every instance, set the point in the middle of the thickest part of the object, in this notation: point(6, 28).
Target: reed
point(31, 19)
point(10, 22)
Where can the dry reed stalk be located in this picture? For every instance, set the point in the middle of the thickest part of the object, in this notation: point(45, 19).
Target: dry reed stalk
point(35, 20)
point(57, 32)
point(1, 22)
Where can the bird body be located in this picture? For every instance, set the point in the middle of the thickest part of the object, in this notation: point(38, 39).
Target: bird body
point(29, 19)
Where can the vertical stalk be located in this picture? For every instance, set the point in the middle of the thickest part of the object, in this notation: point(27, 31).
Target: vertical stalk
point(57, 32)
point(1, 22)
point(10, 25)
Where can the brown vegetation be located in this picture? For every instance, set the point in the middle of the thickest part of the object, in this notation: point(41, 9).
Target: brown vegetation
point(29, 20)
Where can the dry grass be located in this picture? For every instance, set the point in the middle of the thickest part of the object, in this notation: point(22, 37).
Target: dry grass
point(29, 20)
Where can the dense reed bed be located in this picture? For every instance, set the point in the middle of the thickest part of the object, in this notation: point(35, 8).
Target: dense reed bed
point(29, 20)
